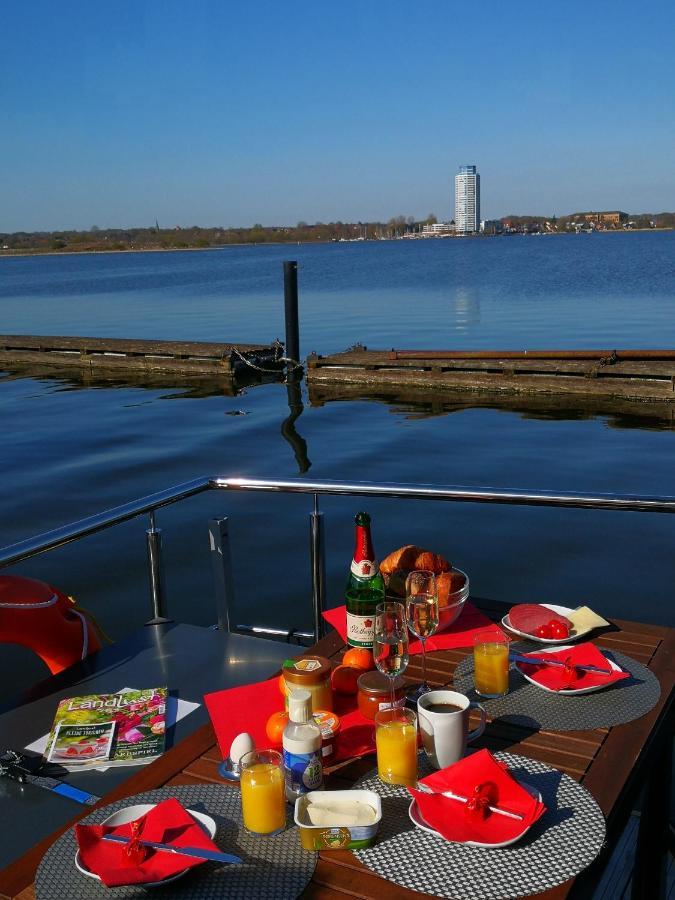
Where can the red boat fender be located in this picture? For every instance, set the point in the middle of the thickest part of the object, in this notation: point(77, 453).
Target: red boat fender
point(37, 615)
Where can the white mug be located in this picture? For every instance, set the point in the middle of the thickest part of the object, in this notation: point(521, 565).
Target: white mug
point(446, 734)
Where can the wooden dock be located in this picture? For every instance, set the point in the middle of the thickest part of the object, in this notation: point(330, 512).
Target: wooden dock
point(630, 375)
point(122, 355)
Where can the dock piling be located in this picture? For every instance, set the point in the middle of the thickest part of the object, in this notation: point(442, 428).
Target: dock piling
point(291, 310)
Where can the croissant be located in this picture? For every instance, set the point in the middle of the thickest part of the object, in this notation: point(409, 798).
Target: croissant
point(411, 557)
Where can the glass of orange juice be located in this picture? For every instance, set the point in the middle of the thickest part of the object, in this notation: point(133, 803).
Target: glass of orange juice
point(263, 799)
point(491, 664)
point(396, 743)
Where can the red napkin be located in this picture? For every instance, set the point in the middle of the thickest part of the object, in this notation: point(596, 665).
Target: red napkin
point(460, 633)
point(167, 823)
point(557, 679)
point(458, 822)
point(248, 708)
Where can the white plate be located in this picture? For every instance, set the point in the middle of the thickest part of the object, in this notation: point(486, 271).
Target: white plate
point(128, 814)
point(418, 821)
point(562, 611)
point(570, 692)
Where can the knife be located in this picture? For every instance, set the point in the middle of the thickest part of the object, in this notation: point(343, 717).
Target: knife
point(197, 852)
point(540, 661)
point(452, 796)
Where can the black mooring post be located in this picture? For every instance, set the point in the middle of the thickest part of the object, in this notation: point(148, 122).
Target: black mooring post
point(291, 307)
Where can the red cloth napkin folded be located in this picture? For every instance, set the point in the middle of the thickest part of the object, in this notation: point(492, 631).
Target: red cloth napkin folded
point(556, 678)
point(456, 822)
point(167, 823)
point(460, 633)
point(248, 708)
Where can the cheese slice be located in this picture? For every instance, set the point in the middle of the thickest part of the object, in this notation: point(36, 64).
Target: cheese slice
point(584, 619)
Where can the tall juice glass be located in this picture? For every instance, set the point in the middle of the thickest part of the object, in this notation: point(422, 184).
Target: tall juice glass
point(491, 664)
point(263, 799)
point(396, 743)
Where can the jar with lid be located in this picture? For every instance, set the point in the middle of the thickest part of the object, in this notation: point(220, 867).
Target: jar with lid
point(375, 693)
point(329, 724)
point(309, 673)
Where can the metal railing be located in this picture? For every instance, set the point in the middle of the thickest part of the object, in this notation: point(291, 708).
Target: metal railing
point(219, 539)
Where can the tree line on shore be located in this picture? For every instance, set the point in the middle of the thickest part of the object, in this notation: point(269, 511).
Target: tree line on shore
point(177, 238)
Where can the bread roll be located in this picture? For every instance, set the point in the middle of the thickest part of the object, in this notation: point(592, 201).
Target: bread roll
point(412, 557)
point(447, 583)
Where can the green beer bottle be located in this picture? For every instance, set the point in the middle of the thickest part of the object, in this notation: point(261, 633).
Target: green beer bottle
point(365, 587)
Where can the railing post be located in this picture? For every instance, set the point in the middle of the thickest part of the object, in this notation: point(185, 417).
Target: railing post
point(156, 574)
point(221, 564)
point(318, 566)
point(291, 309)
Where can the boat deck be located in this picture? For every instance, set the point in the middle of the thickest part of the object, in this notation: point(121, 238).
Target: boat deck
point(614, 764)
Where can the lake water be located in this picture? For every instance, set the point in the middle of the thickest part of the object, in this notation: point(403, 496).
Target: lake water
point(69, 449)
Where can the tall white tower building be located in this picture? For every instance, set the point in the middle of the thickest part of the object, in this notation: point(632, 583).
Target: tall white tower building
point(467, 200)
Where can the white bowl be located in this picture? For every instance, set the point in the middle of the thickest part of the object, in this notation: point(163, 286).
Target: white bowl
point(128, 814)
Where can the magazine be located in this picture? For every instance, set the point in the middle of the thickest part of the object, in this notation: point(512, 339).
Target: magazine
point(123, 729)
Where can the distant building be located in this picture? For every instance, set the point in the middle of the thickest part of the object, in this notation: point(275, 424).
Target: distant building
point(438, 229)
point(604, 218)
point(467, 200)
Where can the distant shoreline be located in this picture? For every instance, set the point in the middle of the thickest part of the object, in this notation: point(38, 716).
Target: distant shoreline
point(30, 253)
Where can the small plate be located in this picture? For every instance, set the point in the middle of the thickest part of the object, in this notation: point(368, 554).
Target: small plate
point(562, 611)
point(128, 814)
point(570, 692)
point(418, 821)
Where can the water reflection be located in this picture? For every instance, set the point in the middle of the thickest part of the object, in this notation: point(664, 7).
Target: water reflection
point(288, 430)
point(467, 308)
point(180, 389)
point(420, 404)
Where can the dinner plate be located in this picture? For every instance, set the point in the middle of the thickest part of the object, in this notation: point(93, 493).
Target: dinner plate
point(567, 692)
point(128, 814)
point(418, 821)
point(562, 611)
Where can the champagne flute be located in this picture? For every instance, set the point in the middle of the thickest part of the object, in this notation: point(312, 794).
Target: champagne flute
point(422, 609)
point(390, 641)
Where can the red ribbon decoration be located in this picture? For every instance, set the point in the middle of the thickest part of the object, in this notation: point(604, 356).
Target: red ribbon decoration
point(484, 796)
point(135, 851)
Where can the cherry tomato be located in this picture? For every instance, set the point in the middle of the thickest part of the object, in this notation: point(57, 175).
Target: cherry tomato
point(544, 631)
point(558, 630)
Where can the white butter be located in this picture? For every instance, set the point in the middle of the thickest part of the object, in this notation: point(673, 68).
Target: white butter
point(334, 813)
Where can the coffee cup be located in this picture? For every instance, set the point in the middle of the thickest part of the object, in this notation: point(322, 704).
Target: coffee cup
point(443, 720)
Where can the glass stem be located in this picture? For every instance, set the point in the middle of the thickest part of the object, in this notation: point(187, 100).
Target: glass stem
point(392, 678)
point(424, 661)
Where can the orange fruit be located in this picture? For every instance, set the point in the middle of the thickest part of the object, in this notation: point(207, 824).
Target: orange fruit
point(275, 726)
point(358, 658)
point(344, 679)
point(282, 685)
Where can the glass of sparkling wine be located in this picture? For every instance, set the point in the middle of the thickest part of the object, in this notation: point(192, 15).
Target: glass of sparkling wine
point(390, 641)
point(422, 609)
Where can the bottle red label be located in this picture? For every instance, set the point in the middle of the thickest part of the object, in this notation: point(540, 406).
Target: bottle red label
point(364, 564)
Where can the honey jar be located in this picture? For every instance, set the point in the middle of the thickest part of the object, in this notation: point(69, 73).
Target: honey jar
point(311, 673)
point(375, 693)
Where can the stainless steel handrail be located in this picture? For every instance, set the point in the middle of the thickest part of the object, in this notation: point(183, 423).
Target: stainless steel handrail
point(50, 540)
point(92, 524)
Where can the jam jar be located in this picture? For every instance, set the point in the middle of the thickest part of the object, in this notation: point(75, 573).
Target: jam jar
point(375, 693)
point(311, 673)
point(329, 724)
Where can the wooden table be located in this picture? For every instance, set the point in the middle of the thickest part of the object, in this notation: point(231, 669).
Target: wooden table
point(614, 764)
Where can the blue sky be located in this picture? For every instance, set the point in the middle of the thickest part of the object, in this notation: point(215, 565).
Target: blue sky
point(229, 113)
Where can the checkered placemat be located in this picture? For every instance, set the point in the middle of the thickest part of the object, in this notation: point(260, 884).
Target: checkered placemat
point(561, 844)
point(532, 707)
point(274, 868)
